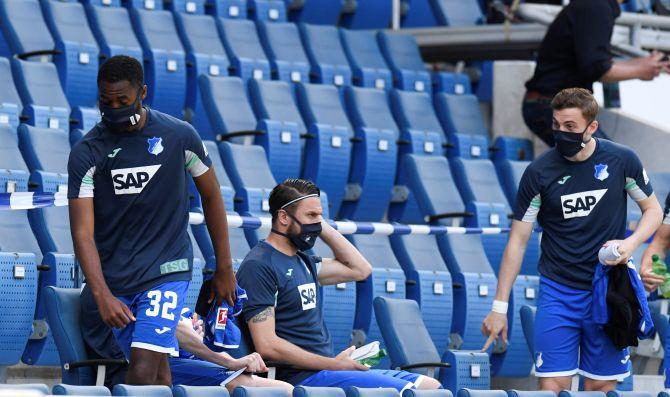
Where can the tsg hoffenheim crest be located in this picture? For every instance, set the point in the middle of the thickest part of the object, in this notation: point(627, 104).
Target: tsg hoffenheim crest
point(601, 172)
point(156, 146)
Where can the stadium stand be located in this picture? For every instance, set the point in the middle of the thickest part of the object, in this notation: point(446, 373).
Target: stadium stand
point(366, 59)
point(244, 391)
point(186, 6)
point(244, 49)
point(10, 102)
point(148, 391)
point(233, 9)
point(24, 30)
point(267, 10)
point(199, 391)
point(228, 109)
point(281, 41)
point(365, 15)
point(76, 390)
point(110, 26)
point(144, 4)
point(14, 173)
point(318, 12)
point(365, 392)
point(458, 12)
point(403, 57)
point(465, 392)
point(197, 273)
point(32, 389)
point(326, 56)
point(303, 391)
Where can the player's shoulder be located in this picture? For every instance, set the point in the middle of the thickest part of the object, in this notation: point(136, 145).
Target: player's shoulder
point(615, 148)
point(541, 162)
point(259, 257)
point(89, 145)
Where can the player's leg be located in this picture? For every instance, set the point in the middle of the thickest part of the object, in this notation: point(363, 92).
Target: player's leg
point(599, 385)
point(164, 377)
point(601, 363)
point(556, 384)
point(143, 367)
point(257, 381)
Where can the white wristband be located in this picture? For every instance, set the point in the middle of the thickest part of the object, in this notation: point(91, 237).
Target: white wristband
point(499, 307)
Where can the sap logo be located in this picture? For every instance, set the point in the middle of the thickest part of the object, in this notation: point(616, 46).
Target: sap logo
point(133, 180)
point(307, 296)
point(580, 204)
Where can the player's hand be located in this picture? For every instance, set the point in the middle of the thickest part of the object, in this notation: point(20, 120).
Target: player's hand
point(198, 328)
point(344, 362)
point(223, 287)
point(253, 363)
point(493, 326)
point(650, 280)
point(114, 313)
point(625, 251)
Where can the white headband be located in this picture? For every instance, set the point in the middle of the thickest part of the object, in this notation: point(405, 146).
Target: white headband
point(298, 199)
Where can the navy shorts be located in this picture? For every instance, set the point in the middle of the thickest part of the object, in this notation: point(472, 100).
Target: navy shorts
point(374, 378)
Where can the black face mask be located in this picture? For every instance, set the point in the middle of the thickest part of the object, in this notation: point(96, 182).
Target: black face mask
point(120, 119)
point(569, 143)
point(307, 236)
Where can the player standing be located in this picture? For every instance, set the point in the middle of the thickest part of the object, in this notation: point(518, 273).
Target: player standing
point(128, 201)
point(576, 191)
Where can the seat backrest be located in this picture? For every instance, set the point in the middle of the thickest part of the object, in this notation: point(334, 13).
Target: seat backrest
point(32, 389)
point(144, 391)
point(323, 46)
point(427, 393)
point(69, 23)
point(245, 391)
point(10, 155)
point(567, 393)
point(44, 149)
point(466, 254)
point(158, 30)
point(240, 39)
point(304, 391)
point(510, 173)
point(111, 28)
point(529, 393)
point(199, 391)
point(16, 234)
point(365, 392)
point(199, 34)
point(247, 166)
point(23, 26)
point(51, 226)
point(458, 12)
point(480, 182)
point(228, 107)
point(460, 114)
point(405, 334)
point(377, 250)
point(369, 107)
point(281, 41)
point(527, 315)
point(414, 110)
point(77, 390)
point(423, 252)
point(38, 84)
point(362, 49)
point(8, 93)
point(273, 100)
point(481, 393)
point(400, 51)
point(217, 164)
point(321, 104)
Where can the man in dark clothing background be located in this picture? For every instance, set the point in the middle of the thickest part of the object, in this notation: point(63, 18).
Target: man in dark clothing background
point(576, 52)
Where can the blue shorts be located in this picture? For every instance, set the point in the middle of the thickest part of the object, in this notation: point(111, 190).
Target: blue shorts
point(374, 378)
point(157, 314)
point(194, 372)
point(568, 342)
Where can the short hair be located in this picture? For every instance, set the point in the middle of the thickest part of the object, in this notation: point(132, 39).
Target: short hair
point(579, 98)
point(121, 68)
point(288, 190)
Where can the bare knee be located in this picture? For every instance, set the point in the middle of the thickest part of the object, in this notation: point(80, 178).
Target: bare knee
point(141, 373)
point(599, 385)
point(146, 366)
point(428, 383)
point(556, 384)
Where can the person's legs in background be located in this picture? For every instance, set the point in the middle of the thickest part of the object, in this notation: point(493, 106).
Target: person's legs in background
point(537, 114)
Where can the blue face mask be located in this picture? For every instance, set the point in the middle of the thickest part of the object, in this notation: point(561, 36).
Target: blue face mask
point(120, 119)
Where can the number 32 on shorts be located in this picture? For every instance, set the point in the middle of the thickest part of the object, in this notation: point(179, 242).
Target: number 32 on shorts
point(162, 303)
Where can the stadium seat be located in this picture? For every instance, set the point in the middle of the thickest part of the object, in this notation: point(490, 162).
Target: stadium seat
point(281, 41)
point(427, 393)
point(458, 13)
point(104, 3)
point(77, 61)
point(419, 15)
point(197, 273)
point(374, 163)
point(452, 83)
point(319, 12)
point(366, 59)
point(164, 60)
point(510, 173)
point(403, 57)
point(244, 49)
point(338, 302)
point(46, 153)
point(528, 393)
point(144, 4)
point(371, 392)
point(227, 107)
point(14, 173)
point(460, 114)
point(204, 55)
point(328, 150)
point(32, 389)
point(512, 148)
point(232, 9)
point(76, 390)
point(304, 391)
point(280, 119)
point(143, 391)
point(387, 279)
point(44, 103)
point(410, 347)
point(324, 49)
point(113, 31)
point(481, 393)
point(267, 10)
point(63, 313)
point(619, 393)
point(25, 32)
point(366, 15)
point(10, 102)
point(196, 7)
point(568, 393)
point(244, 391)
point(527, 314)
point(199, 391)
point(428, 283)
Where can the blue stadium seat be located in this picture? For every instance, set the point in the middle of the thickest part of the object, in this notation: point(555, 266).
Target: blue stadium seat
point(14, 173)
point(366, 59)
point(232, 9)
point(319, 12)
point(568, 393)
point(403, 57)
point(227, 107)
point(144, 391)
point(338, 302)
point(328, 150)
point(419, 15)
point(10, 102)
point(529, 393)
point(280, 119)
point(29, 388)
point(244, 391)
point(24, 29)
point(527, 314)
point(427, 393)
point(196, 7)
point(196, 273)
point(366, 15)
point(281, 41)
point(78, 59)
point(619, 393)
point(304, 391)
point(371, 392)
point(44, 103)
point(204, 55)
point(164, 60)
point(452, 83)
point(458, 12)
point(104, 3)
point(46, 153)
point(267, 10)
point(199, 391)
point(328, 62)
point(112, 29)
point(512, 148)
point(460, 114)
point(428, 283)
point(375, 153)
point(76, 390)
point(387, 279)
point(148, 5)
point(244, 49)
point(481, 393)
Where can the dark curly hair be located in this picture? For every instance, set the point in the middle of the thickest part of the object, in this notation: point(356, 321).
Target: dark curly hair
point(121, 68)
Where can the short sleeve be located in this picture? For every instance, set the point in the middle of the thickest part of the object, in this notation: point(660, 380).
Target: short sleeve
point(260, 283)
point(638, 185)
point(528, 198)
point(196, 157)
point(80, 170)
point(666, 212)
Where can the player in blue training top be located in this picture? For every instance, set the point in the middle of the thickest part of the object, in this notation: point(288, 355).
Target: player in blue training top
point(283, 311)
point(577, 194)
point(128, 200)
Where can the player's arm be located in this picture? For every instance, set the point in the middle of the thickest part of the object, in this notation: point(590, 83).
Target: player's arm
point(272, 347)
point(112, 311)
point(658, 246)
point(348, 264)
point(496, 323)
